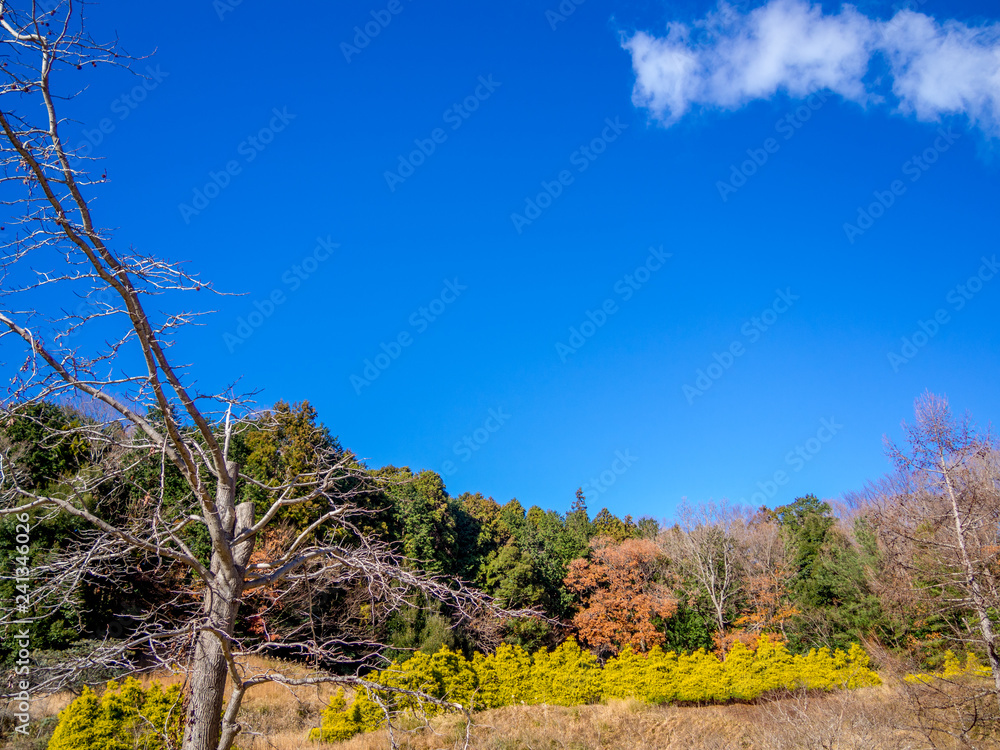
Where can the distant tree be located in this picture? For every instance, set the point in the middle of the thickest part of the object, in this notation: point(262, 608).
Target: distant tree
point(607, 524)
point(765, 573)
point(531, 565)
point(511, 521)
point(688, 629)
point(805, 523)
point(278, 445)
point(42, 439)
point(428, 524)
point(647, 527)
point(578, 525)
point(622, 598)
point(477, 527)
point(706, 549)
point(837, 604)
point(801, 511)
point(513, 578)
point(938, 517)
point(826, 596)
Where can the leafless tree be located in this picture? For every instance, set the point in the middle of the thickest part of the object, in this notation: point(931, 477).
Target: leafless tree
point(765, 573)
point(938, 518)
point(58, 251)
point(706, 547)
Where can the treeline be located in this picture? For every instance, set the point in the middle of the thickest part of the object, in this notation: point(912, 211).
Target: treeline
point(715, 576)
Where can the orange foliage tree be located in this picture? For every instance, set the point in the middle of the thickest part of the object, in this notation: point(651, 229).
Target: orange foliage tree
point(620, 595)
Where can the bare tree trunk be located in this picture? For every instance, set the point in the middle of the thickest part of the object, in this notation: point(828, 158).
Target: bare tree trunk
point(212, 656)
point(979, 602)
point(939, 519)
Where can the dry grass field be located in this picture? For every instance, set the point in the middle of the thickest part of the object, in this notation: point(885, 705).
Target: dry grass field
point(890, 717)
point(867, 719)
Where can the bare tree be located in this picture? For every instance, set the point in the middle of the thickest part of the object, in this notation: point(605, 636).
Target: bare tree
point(938, 519)
point(765, 572)
point(58, 251)
point(706, 546)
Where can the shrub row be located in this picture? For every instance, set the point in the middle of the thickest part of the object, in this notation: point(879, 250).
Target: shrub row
point(953, 668)
point(128, 715)
point(570, 676)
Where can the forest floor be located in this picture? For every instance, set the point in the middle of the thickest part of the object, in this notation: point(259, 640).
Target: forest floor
point(889, 717)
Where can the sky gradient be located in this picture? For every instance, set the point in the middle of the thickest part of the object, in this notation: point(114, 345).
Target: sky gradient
point(663, 250)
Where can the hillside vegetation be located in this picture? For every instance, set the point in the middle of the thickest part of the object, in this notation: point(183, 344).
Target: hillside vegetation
point(760, 609)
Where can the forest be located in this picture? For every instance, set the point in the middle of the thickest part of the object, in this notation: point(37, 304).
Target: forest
point(715, 575)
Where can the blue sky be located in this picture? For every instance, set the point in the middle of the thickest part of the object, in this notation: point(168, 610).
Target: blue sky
point(728, 153)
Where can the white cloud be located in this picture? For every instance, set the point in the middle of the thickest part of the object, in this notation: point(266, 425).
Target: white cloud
point(945, 68)
point(729, 59)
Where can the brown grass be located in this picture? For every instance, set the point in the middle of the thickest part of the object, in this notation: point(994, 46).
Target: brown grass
point(841, 721)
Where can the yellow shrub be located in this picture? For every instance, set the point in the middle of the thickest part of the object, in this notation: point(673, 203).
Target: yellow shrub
point(746, 676)
point(660, 680)
point(952, 665)
point(776, 666)
point(340, 721)
point(974, 668)
point(625, 676)
point(819, 669)
point(126, 716)
point(447, 675)
point(659, 677)
point(337, 722)
point(455, 678)
point(504, 677)
point(700, 678)
point(649, 677)
point(367, 712)
point(953, 668)
point(569, 676)
point(857, 672)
